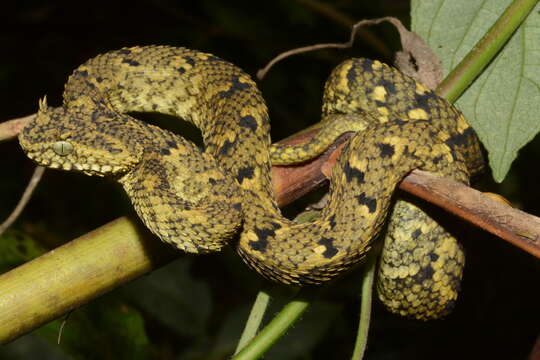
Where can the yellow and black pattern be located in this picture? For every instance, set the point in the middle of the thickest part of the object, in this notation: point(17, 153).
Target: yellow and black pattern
point(197, 200)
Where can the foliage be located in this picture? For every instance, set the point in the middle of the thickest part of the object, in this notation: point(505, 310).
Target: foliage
point(501, 103)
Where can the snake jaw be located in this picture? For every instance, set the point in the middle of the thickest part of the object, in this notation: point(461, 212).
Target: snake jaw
point(49, 159)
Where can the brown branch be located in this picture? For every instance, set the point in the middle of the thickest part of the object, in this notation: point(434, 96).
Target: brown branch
point(515, 226)
point(122, 250)
point(11, 128)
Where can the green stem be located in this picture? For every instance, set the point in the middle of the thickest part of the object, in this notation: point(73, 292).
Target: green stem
point(365, 307)
point(273, 331)
point(83, 269)
point(485, 50)
point(254, 320)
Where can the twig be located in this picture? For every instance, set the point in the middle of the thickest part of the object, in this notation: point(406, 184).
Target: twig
point(11, 128)
point(38, 172)
point(355, 28)
point(61, 330)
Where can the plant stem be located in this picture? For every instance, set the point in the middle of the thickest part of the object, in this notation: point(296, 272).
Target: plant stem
point(273, 331)
point(75, 273)
point(485, 50)
point(254, 320)
point(365, 307)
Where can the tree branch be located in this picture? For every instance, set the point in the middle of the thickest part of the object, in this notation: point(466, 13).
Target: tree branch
point(11, 128)
point(122, 250)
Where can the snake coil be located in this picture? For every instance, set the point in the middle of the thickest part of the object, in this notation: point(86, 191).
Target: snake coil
point(197, 200)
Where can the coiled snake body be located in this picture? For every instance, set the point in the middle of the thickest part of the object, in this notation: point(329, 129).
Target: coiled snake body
point(196, 200)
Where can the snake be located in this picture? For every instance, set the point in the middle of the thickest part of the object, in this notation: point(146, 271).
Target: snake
point(201, 199)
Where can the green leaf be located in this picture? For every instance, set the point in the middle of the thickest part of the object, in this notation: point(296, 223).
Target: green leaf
point(502, 104)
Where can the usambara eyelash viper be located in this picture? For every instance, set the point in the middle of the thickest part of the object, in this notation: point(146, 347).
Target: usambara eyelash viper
point(197, 200)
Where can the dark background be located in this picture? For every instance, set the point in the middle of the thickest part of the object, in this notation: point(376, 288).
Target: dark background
point(42, 42)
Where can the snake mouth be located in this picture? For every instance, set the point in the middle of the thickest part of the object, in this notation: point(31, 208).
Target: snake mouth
point(62, 163)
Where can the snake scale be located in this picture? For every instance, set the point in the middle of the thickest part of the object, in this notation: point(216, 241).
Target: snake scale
point(197, 200)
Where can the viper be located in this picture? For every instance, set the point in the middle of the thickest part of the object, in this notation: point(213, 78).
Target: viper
point(197, 200)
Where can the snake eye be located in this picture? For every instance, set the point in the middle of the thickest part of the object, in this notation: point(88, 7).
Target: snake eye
point(62, 148)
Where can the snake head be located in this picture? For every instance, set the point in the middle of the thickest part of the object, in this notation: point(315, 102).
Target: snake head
point(81, 137)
